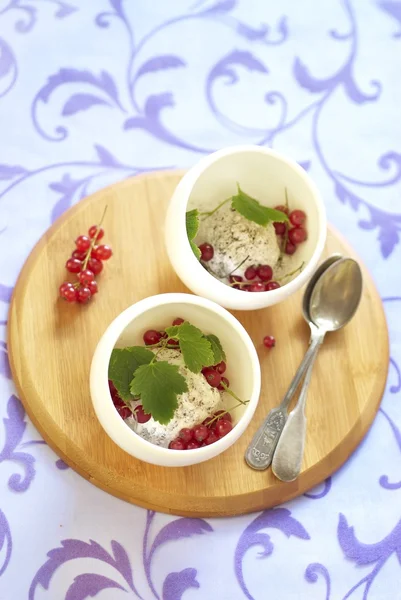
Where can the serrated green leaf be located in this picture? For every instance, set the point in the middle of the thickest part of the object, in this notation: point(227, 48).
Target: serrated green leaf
point(252, 210)
point(192, 225)
point(196, 349)
point(217, 348)
point(122, 366)
point(158, 385)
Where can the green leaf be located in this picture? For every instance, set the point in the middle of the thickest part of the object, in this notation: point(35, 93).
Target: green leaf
point(158, 385)
point(192, 224)
point(252, 210)
point(196, 349)
point(217, 348)
point(122, 366)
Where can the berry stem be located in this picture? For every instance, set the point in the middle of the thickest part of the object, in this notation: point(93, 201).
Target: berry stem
point(238, 266)
point(229, 391)
point(211, 212)
point(297, 270)
point(93, 241)
point(221, 414)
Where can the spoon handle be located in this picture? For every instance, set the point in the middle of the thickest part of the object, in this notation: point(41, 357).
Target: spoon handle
point(259, 453)
point(287, 460)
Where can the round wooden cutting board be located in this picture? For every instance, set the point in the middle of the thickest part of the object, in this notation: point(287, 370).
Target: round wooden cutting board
point(51, 344)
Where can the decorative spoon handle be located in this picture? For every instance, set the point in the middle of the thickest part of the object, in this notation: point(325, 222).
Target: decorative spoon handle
point(259, 453)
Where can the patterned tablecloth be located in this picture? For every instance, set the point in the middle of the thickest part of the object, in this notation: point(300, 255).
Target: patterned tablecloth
point(93, 92)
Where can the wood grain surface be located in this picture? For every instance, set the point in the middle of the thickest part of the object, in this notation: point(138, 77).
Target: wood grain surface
point(51, 345)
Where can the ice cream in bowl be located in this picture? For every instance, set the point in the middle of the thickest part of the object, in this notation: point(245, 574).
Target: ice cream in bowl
point(175, 380)
point(245, 227)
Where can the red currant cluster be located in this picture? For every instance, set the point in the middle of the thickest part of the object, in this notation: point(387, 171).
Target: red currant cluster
point(123, 409)
point(295, 235)
point(259, 278)
point(86, 262)
point(212, 429)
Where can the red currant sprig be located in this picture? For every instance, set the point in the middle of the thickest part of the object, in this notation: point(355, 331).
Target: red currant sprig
point(86, 262)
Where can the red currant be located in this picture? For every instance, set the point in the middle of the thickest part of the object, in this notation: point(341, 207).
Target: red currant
point(95, 265)
point(209, 422)
point(223, 427)
point(297, 235)
point(272, 285)
point(211, 438)
point(151, 337)
point(124, 411)
point(212, 377)
point(92, 285)
point(297, 218)
point(84, 295)
point(73, 265)
point(200, 433)
point(177, 445)
point(178, 321)
point(68, 292)
point(222, 414)
point(269, 341)
point(172, 342)
point(96, 231)
point(83, 243)
point(207, 252)
point(280, 228)
point(193, 445)
point(265, 273)
point(186, 434)
point(257, 287)
point(290, 248)
point(112, 388)
point(86, 276)
point(102, 252)
point(226, 383)
point(251, 273)
point(221, 367)
point(236, 279)
point(282, 208)
point(141, 415)
point(79, 255)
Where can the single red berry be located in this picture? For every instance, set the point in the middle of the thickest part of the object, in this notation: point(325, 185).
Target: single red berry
point(211, 438)
point(282, 208)
point(290, 248)
point(83, 295)
point(221, 367)
point(269, 341)
point(212, 377)
point(222, 414)
point(297, 218)
point(96, 231)
point(207, 252)
point(272, 285)
point(178, 321)
point(95, 265)
point(68, 292)
point(200, 433)
point(141, 415)
point(172, 342)
point(236, 279)
point(73, 265)
point(257, 287)
point(151, 336)
point(92, 285)
point(83, 243)
point(79, 255)
point(86, 276)
point(117, 401)
point(209, 422)
point(193, 445)
point(177, 445)
point(186, 434)
point(102, 252)
point(226, 383)
point(251, 273)
point(223, 427)
point(124, 411)
point(265, 272)
point(280, 228)
point(297, 235)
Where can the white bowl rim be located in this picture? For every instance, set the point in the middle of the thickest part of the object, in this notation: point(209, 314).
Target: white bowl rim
point(188, 182)
point(101, 359)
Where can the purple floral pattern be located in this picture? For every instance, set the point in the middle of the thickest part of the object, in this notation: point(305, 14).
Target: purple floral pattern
point(135, 86)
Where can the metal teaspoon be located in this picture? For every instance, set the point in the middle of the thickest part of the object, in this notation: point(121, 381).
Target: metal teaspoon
point(333, 303)
point(259, 453)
